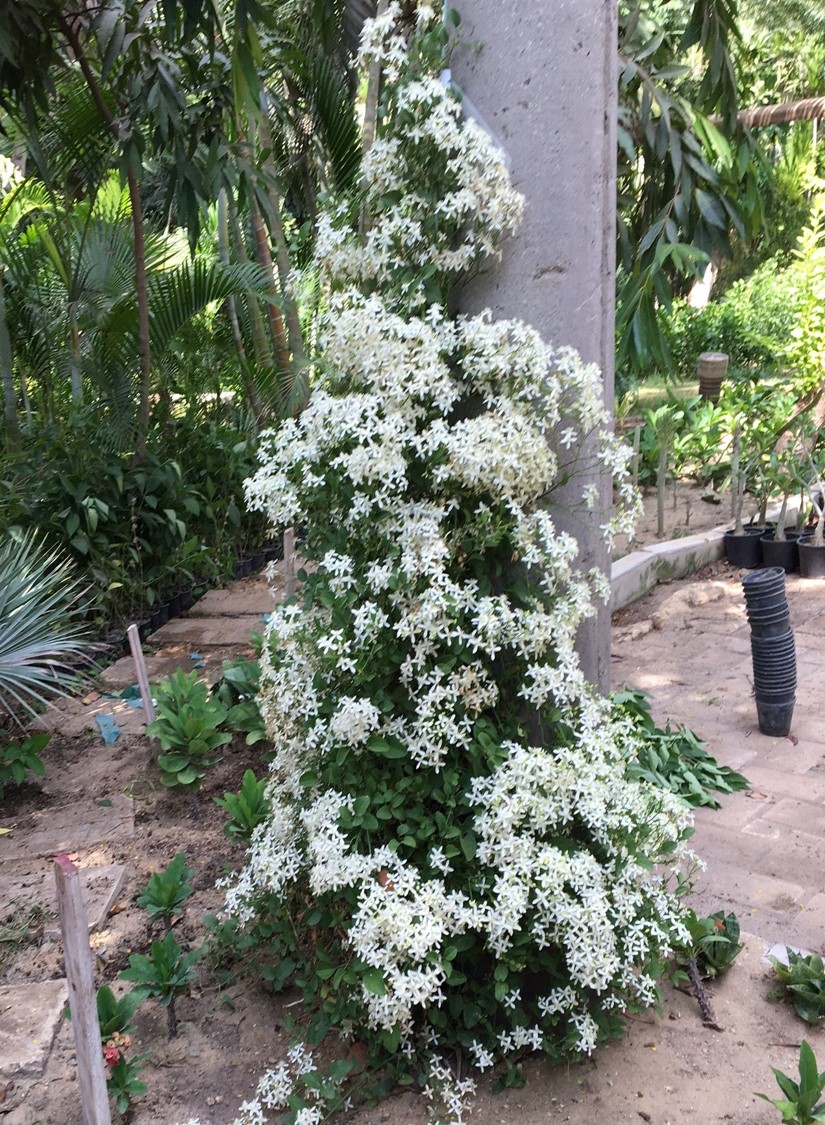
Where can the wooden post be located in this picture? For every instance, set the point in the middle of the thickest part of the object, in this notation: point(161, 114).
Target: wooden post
point(142, 674)
point(289, 560)
point(94, 1098)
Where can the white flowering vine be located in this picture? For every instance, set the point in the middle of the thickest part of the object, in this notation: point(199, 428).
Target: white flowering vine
point(454, 857)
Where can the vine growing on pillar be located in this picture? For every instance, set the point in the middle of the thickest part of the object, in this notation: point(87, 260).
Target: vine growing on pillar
point(453, 859)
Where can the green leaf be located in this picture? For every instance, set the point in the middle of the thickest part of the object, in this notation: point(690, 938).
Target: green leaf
point(373, 981)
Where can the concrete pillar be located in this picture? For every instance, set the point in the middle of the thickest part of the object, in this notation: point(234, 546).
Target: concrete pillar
point(542, 77)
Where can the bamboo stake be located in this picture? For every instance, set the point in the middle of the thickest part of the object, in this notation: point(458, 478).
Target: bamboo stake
point(94, 1098)
point(142, 674)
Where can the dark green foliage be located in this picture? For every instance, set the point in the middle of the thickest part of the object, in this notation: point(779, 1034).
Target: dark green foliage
point(260, 948)
point(752, 323)
point(20, 758)
point(237, 690)
point(138, 531)
point(116, 1015)
point(246, 808)
point(804, 978)
point(673, 759)
point(123, 1083)
point(166, 973)
point(188, 728)
point(167, 891)
point(714, 943)
point(801, 1104)
point(684, 184)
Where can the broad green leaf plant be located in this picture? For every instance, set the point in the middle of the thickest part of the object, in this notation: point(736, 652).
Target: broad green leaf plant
point(454, 858)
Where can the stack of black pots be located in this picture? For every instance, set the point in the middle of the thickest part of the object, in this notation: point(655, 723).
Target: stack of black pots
point(773, 648)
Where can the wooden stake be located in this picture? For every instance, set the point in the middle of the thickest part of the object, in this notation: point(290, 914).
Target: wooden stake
point(289, 560)
point(142, 674)
point(94, 1098)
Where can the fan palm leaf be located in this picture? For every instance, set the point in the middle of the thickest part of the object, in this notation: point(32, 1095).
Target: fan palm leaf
point(41, 600)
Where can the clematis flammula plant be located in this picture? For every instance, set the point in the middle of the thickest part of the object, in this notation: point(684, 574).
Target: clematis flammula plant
point(453, 857)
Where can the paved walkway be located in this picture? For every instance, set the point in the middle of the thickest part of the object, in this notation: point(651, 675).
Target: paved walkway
point(765, 849)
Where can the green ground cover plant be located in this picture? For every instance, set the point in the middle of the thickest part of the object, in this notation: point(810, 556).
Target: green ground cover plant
point(188, 728)
point(804, 978)
point(801, 1103)
point(674, 759)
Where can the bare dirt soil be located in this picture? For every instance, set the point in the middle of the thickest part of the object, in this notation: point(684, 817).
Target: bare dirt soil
point(668, 1068)
point(690, 508)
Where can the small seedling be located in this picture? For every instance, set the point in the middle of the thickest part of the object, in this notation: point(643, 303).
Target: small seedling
point(115, 1016)
point(713, 947)
point(801, 1104)
point(164, 975)
point(167, 891)
point(20, 758)
point(188, 728)
point(246, 809)
point(115, 1019)
point(122, 1081)
point(804, 978)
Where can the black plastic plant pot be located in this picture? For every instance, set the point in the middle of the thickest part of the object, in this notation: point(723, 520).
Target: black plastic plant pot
point(769, 627)
point(246, 566)
point(771, 608)
point(774, 648)
point(811, 558)
point(187, 598)
point(774, 718)
point(764, 581)
point(159, 617)
point(743, 550)
point(273, 553)
point(781, 552)
point(775, 678)
point(258, 560)
point(175, 606)
point(238, 568)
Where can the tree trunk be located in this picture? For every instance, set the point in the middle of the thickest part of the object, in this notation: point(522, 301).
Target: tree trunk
point(276, 227)
point(806, 109)
point(141, 288)
point(261, 346)
point(77, 376)
point(237, 337)
point(142, 293)
point(7, 371)
point(264, 256)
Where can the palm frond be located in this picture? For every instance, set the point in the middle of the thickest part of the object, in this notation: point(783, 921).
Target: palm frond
point(41, 599)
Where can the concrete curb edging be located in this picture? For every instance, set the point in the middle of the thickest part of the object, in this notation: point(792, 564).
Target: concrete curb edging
point(636, 573)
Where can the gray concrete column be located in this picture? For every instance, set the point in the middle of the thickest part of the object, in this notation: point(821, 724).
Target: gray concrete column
point(542, 76)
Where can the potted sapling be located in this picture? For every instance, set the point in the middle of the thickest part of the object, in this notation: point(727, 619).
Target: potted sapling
point(780, 547)
point(812, 546)
point(743, 547)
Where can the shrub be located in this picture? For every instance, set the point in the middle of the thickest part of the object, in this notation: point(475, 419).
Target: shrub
point(453, 857)
point(41, 635)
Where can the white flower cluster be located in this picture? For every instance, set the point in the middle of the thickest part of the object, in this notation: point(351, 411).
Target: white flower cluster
point(411, 234)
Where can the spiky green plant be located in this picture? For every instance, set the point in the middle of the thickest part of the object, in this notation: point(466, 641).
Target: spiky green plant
point(41, 627)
